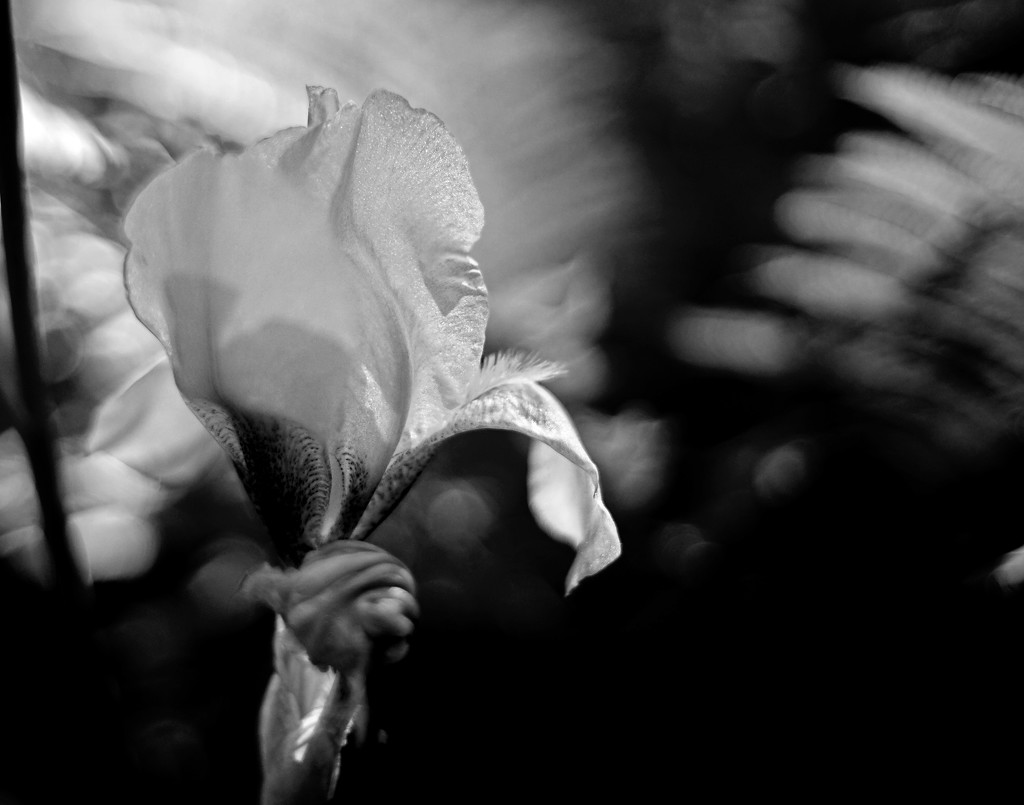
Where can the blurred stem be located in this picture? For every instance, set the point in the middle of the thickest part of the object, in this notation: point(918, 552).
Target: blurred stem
point(83, 711)
point(34, 425)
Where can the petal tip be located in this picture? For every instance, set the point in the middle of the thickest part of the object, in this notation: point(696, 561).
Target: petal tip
point(592, 564)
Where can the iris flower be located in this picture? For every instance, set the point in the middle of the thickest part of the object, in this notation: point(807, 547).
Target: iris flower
point(324, 320)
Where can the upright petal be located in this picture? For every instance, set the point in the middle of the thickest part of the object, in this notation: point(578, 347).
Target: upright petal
point(405, 199)
point(315, 296)
point(414, 205)
point(278, 339)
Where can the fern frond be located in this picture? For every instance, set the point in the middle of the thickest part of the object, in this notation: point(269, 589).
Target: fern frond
point(827, 220)
point(1004, 182)
point(1002, 92)
point(745, 341)
point(826, 286)
point(897, 165)
point(909, 279)
point(972, 124)
point(938, 109)
point(1001, 259)
point(907, 378)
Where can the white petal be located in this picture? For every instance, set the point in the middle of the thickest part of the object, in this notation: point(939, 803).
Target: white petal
point(565, 493)
point(568, 505)
point(316, 299)
point(413, 198)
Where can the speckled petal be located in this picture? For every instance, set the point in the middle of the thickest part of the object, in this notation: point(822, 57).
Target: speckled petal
point(316, 299)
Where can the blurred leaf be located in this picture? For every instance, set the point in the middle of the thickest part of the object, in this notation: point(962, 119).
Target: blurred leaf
point(64, 145)
point(148, 426)
point(908, 297)
point(745, 341)
point(974, 128)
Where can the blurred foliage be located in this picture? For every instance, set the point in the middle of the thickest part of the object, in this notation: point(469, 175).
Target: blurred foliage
point(905, 293)
point(806, 591)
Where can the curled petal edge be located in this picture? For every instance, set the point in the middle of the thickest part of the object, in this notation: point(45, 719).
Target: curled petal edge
point(564, 484)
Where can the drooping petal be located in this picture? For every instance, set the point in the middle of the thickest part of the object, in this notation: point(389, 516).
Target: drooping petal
point(316, 299)
point(567, 503)
point(570, 509)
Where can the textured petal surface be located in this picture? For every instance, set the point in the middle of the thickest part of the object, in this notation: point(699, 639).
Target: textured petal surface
point(315, 295)
point(565, 492)
point(414, 205)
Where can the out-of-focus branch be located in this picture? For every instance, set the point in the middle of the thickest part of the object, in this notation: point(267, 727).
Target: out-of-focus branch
point(85, 702)
point(34, 424)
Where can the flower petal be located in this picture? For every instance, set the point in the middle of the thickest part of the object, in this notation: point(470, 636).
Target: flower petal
point(567, 503)
point(415, 202)
point(407, 197)
point(316, 299)
point(570, 509)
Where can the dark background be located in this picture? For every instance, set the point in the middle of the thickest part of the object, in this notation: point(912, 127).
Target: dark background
point(842, 630)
